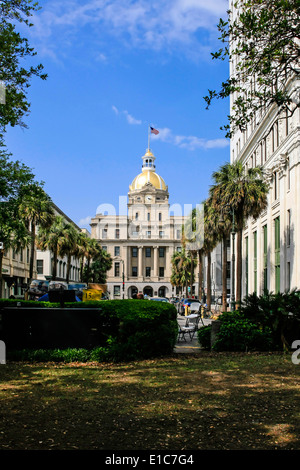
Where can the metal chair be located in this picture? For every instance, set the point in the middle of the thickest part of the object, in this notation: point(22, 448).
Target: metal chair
point(192, 326)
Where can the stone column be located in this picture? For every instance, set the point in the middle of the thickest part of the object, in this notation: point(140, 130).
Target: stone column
point(140, 263)
point(155, 259)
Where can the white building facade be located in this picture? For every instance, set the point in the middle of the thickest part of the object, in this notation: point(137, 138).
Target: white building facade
point(271, 244)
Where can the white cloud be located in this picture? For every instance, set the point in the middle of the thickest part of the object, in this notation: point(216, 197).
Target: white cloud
point(166, 135)
point(130, 119)
point(159, 24)
point(85, 222)
point(189, 142)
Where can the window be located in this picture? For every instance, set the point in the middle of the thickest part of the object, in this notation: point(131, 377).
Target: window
point(117, 233)
point(277, 254)
point(134, 252)
point(288, 275)
point(104, 248)
point(288, 229)
point(178, 234)
point(228, 270)
point(148, 233)
point(117, 251)
point(21, 255)
point(159, 217)
point(161, 234)
point(134, 271)
point(161, 251)
point(148, 216)
point(161, 271)
point(28, 256)
point(265, 235)
point(276, 186)
point(40, 266)
point(255, 260)
point(117, 269)
point(136, 216)
point(148, 271)
point(104, 233)
point(148, 252)
point(117, 290)
point(246, 265)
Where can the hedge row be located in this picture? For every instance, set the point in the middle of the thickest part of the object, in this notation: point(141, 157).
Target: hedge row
point(116, 329)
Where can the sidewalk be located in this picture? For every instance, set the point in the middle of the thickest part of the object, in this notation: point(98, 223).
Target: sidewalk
point(189, 347)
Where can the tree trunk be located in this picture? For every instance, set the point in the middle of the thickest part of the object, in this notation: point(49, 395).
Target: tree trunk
point(200, 293)
point(224, 272)
point(208, 296)
point(32, 248)
point(238, 269)
point(68, 268)
point(54, 267)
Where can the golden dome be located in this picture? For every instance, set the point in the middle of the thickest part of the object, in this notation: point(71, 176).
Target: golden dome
point(148, 174)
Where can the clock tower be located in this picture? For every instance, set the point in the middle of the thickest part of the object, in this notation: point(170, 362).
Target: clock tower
point(148, 194)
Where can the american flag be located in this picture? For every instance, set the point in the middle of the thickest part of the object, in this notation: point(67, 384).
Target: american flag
point(154, 131)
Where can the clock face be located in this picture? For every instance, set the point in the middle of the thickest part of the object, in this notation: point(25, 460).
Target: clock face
point(148, 198)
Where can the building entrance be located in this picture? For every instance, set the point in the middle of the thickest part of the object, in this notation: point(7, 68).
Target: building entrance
point(148, 291)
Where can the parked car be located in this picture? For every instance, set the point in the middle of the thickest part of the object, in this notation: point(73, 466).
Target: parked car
point(161, 299)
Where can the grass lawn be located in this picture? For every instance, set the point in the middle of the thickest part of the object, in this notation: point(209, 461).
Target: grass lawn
point(210, 401)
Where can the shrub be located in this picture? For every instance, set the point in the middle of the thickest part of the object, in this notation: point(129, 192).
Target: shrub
point(279, 312)
point(237, 333)
point(204, 335)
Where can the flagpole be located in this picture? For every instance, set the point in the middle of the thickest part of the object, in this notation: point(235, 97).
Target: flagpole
point(149, 137)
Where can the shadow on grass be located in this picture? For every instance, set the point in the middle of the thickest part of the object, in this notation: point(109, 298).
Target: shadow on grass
point(209, 402)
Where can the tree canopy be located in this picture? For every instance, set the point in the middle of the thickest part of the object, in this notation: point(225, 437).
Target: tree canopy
point(13, 50)
point(261, 40)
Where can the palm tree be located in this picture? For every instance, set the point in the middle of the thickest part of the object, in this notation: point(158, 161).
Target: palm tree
point(223, 226)
point(97, 272)
point(50, 238)
point(192, 239)
point(68, 245)
point(13, 235)
point(81, 250)
point(210, 241)
point(181, 270)
point(35, 209)
point(244, 192)
point(93, 251)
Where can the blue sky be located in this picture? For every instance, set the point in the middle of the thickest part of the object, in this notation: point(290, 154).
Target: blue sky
point(114, 67)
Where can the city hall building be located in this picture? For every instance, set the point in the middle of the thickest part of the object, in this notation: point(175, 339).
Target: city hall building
point(142, 242)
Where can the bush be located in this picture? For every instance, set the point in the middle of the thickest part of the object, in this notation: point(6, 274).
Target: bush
point(237, 333)
point(114, 330)
point(279, 312)
point(204, 335)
